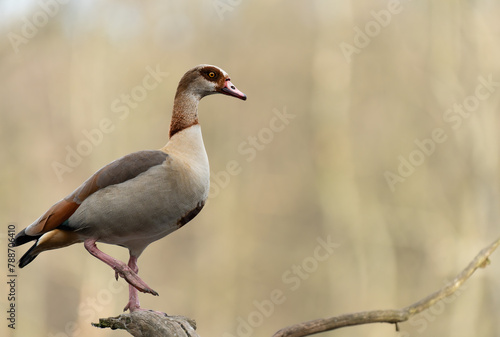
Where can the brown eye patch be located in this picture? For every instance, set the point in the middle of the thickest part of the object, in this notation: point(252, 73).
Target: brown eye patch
point(210, 73)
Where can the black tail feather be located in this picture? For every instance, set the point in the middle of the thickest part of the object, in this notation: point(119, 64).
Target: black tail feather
point(21, 238)
point(28, 257)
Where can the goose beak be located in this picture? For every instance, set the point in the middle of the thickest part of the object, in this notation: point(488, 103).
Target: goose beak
point(231, 90)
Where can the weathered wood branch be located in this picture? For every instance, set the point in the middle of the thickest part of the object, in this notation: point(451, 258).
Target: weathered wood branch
point(389, 316)
point(150, 324)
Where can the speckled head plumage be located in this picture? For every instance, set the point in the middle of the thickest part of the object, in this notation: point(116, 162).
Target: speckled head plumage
point(198, 82)
point(206, 79)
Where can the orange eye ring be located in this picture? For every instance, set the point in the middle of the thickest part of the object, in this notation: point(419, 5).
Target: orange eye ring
point(211, 74)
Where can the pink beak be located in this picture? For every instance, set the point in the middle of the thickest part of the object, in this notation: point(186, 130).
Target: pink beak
point(231, 90)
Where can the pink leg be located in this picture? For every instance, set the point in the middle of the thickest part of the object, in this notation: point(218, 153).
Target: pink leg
point(133, 300)
point(133, 296)
point(120, 268)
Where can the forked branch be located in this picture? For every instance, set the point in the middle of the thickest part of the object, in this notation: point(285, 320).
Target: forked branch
point(145, 323)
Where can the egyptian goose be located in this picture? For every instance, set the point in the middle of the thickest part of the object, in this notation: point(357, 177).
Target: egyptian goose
point(140, 197)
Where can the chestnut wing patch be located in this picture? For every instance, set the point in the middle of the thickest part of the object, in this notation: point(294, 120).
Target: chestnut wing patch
point(191, 214)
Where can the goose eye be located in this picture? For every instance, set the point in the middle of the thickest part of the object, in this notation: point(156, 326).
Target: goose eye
point(211, 74)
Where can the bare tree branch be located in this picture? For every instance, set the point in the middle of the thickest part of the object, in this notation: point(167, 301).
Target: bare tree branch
point(150, 324)
point(389, 316)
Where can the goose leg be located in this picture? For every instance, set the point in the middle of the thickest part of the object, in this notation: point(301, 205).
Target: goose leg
point(133, 295)
point(120, 268)
point(133, 300)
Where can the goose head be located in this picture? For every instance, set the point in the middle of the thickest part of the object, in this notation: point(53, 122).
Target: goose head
point(204, 80)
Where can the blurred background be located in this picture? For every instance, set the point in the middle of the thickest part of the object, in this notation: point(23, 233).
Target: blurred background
point(361, 173)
